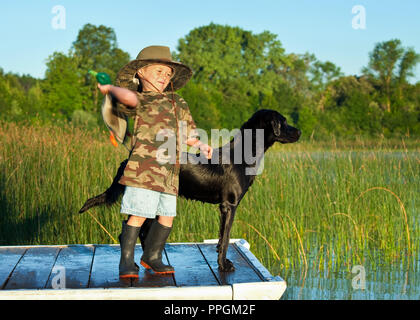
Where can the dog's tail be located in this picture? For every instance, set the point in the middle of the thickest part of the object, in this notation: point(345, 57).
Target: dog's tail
point(111, 195)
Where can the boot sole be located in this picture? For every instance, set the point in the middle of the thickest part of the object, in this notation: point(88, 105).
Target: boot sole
point(144, 264)
point(125, 276)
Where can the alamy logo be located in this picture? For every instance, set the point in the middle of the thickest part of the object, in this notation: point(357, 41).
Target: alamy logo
point(359, 281)
point(59, 280)
point(59, 20)
point(248, 147)
point(359, 20)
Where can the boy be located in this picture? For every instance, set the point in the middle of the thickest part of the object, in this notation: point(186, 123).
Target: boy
point(151, 187)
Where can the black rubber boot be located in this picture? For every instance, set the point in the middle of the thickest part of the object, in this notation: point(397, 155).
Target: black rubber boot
point(144, 231)
point(154, 245)
point(128, 239)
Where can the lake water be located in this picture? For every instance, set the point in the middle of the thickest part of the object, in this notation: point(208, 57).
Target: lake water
point(384, 283)
point(379, 282)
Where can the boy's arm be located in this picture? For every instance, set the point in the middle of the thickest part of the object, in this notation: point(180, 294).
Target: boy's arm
point(125, 96)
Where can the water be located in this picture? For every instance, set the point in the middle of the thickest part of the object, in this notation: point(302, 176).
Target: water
point(382, 283)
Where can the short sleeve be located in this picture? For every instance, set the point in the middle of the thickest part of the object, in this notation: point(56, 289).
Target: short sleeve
point(187, 118)
point(122, 108)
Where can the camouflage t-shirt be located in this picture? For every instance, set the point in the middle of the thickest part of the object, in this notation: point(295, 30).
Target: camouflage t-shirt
point(154, 158)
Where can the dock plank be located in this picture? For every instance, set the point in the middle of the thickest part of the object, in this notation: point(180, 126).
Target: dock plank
point(75, 262)
point(33, 269)
point(105, 272)
point(191, 268)
point(243, 271)
point(147, 278)
point(9, 258)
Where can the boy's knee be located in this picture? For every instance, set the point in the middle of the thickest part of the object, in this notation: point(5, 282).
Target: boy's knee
point(135, 221)
point(166, 221)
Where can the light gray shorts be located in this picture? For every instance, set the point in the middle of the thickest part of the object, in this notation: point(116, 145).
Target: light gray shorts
point(148, 203)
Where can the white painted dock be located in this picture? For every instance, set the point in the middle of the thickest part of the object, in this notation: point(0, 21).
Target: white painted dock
point(85, 272)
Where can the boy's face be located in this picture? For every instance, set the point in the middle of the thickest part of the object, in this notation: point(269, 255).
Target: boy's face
point(157, 74)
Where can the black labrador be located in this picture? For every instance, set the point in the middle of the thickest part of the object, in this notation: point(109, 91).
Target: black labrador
point(225, 178)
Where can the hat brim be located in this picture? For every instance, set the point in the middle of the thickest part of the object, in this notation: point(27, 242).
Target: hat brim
point(126, 75)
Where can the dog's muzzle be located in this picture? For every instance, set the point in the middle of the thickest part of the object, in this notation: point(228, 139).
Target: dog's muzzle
point(290, 135)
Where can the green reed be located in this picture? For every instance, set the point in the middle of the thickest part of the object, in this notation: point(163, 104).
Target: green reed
point(321, 205)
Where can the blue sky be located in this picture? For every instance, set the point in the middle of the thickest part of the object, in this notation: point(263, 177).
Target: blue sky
point(321, 27)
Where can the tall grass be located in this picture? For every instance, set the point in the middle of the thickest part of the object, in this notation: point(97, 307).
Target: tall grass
point(324, 205)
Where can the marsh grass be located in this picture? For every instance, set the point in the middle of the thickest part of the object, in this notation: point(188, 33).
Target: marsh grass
point(317, 205)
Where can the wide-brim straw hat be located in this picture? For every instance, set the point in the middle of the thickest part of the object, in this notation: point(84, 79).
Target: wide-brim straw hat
point(126, 77)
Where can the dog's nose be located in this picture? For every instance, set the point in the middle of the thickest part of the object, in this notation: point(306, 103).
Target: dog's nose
point(298, 132)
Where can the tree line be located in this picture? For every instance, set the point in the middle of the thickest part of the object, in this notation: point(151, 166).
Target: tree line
point(236, 72)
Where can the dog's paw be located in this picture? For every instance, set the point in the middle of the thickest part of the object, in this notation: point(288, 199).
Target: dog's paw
point(227, 266)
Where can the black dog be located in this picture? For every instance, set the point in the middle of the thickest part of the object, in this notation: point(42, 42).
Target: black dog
point(225, 179)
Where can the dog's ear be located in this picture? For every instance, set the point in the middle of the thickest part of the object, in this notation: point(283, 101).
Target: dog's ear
point(276, 127)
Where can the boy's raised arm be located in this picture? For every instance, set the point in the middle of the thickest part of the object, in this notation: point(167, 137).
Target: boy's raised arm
point(125, 96)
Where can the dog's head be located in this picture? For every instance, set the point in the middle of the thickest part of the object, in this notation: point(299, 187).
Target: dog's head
point(275, 126)
point(283, 132)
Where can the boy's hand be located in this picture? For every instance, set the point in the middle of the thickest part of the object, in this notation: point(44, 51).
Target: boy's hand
point(207, 150)
point(104, 88)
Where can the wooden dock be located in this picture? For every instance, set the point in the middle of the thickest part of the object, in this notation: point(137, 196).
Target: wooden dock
point(91, 272)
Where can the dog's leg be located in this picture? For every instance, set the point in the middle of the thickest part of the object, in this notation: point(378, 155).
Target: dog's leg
point(221, 228)
point(228, 211)
point(223, 220)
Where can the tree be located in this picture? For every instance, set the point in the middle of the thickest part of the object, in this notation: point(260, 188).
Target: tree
point(63, 86)
point(389, 66)
point(203, 105)
point(68, 86)
point(246, 70)
point(12, 96)
point(322, 73)
point(350, 107)
point(96, 48)
point(406, 67)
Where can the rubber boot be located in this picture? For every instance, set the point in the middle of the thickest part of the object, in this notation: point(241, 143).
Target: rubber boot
point(154, 245)
point(144, 231)
point(128, 238)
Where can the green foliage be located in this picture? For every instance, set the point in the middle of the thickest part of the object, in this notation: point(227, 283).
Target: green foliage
point(242, 72)
point(203, 105)
point(83, 118)
point(96, 49)
point(62, 86)
point(236, 72)
point(390, 66)
point(307, 121)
